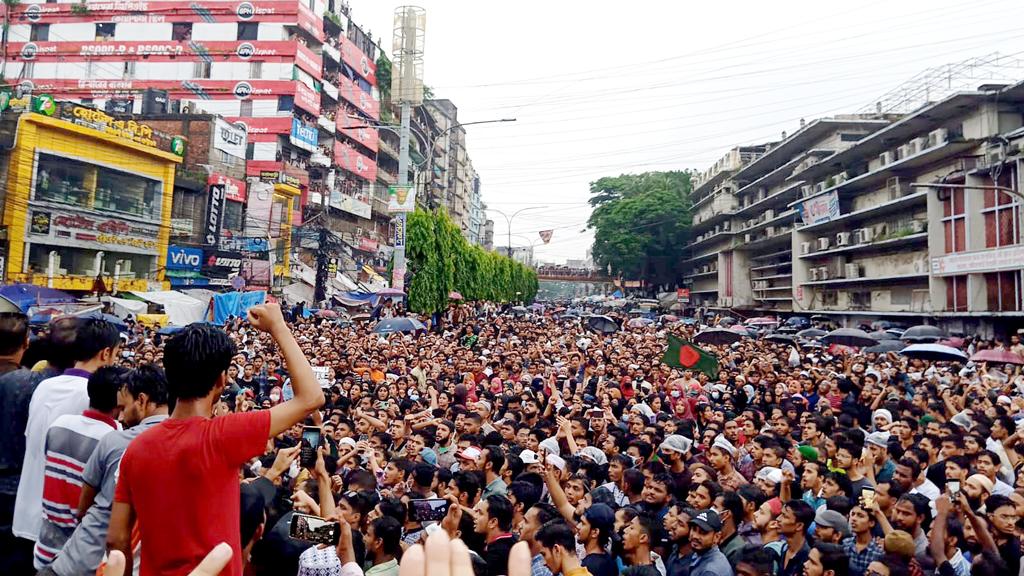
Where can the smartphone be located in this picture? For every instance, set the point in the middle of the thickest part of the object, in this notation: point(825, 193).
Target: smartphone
point(596, 413)
point(311, 436)
point(954, 489)
point(428, 510)
point(314, 529)
point(868, 496)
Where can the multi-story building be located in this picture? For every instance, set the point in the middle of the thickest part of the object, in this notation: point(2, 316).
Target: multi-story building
point(477, 214)
point(488, 236)
point(86, 197)
point(839, 219)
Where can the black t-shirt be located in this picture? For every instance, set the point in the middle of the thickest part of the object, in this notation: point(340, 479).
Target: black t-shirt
point(1010, 552)
point(600, 564)
point(496, 554)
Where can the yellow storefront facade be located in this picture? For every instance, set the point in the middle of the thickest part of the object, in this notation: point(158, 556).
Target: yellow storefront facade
point(88, 198)
point(284, 197)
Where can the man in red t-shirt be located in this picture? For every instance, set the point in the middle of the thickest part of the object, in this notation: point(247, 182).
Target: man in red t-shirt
point(180, 479)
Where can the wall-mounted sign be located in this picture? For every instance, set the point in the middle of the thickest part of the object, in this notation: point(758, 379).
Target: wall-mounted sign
point(234, 189)
point(229, 138)
point(304, 136)
point(820, 208)
point(401, 199)
point(87, 231)
point(182, 258)
point(214, 215)
point(399, 239)
point(993, 260)
point(103, 122)
point(221, 266)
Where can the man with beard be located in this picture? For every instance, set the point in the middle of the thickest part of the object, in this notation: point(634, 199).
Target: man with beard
point(910, 514)
point(708, 560)
point(444, 445)
point(677, 525)
point(977, 488)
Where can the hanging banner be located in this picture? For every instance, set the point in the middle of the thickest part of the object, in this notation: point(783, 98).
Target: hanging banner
point(228, 138)
point(308, 61)
point(401, 199)
point(234, 189)
point(307, 99)
point(142, 12)
point(545, 235)
point(200, 89)
point(356, 96)
point(349, 159)
point(364, 135)
point(820, 208)
point(357, 203)
point(399, 239)
point(168, 51)
point(214, 215)
point(358, 61)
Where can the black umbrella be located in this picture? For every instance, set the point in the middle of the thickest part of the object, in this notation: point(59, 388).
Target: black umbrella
point(811, 333)
point(602, 324)
point(717, 337)
point(885, 346)
point(923, 333)
point(787, 329)
point(848, 337)
point(820, 318)
point(936, 352)
point(781, 338)
point(882, 335)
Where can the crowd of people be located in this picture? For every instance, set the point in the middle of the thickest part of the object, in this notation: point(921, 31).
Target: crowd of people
point(541, 446)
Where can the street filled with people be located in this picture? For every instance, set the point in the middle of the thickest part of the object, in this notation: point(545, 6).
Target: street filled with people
point(503, 440)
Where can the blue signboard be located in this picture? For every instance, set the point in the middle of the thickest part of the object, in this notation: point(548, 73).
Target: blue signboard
point(181, 258)
point(304, 136)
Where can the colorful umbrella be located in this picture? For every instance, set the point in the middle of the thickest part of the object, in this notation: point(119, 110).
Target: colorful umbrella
point(997, 357)
point(453, 295)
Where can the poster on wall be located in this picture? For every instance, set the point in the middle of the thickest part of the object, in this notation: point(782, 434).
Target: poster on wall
point(820, 208)
point(229, 138)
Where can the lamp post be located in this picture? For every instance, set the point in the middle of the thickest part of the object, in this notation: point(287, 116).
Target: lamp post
point(508, 220)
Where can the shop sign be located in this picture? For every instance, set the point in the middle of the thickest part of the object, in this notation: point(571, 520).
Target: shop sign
point(401, 199)
point(182, 258)
point(250, 246)
point(995, 260)
point(234, 189)
point(683, 295)
point(107, 124)
point(304, 136)
point(181, 226)
point(307, 98)
point(399, 240)
point(192, 89)
point(79, 230)
point(167, 51)
point(214, 215)
point(229, 138)
point(147, 12)
point(220, 265)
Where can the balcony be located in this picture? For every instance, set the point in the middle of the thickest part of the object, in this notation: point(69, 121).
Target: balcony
point(879, 246)
point(330, 126)
point(329, 89)
point(387, 149)
point(844, 221)
point(390, 179)
point(332, 53)
point(781, 196)
point(896, 278)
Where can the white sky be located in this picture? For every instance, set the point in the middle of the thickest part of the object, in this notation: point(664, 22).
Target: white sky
point(602, 88)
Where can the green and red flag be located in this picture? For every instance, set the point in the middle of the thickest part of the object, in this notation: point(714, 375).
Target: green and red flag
point(684, 354)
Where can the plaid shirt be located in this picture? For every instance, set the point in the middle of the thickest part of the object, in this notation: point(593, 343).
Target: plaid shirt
point(859, 561)
point(538, 567)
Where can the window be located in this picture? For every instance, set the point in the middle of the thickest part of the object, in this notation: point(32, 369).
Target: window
point(900, 296)
point(1002, 215)
point(28, 70)
point(256, 70)
point(285, 103)
point(202, 69)
point(246, 110)
point(1004, 291)
point(954, 221)
point(82, 262)
point(248, 30)
point(105, 31)
point(129, 70)
point(39, 33)
point(830, 298)
point(956, 293)
point(860, 299)
point(181, 31)
point(846, 137)
point(118, 191)
point(250, 151)
point(233, 216)
point(62, 180)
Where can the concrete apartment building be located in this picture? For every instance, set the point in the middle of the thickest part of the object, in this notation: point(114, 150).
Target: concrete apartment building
point(829, 220)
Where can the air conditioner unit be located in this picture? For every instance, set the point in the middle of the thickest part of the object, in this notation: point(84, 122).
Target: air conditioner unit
point(853, 271)
point(886, 158)
point(769, 231)
point(840, 178)
point(908, 149)
point(805, 247)
point(922, 143)
point(823, 273)
point(863, 235)
point(726, 225)
point(748, 238)
point(938, 137)
point(815, 275)
point(823, 243)
point(897, 188)
point(718, 229)
point(769, 214)
point(819, 187)
point(806, 190)
point(993, 156)
point(843, 239)
point(918, 226)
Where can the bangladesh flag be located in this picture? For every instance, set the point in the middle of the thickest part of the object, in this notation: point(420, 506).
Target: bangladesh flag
point(684, 354)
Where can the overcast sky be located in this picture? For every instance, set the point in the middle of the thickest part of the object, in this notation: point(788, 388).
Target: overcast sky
point(602, 88)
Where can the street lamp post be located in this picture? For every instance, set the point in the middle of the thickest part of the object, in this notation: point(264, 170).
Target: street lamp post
point(508, 220)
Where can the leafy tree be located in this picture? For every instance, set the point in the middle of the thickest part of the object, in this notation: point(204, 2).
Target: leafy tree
point(641, 223)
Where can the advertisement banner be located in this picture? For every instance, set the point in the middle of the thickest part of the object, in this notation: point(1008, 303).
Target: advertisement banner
point(368, 245)
point(368, 137)
point(167, 51)
point(311, 63)
point(307, 99)
point(683, 295)
point(401, 199)
point(256, 273)
point(358, 204)
point(994, 260)
point(303, 136)
point(399, 239)
point(310, 23)
point(356, 96)
point(234, 189)
point(820, 208)
point(358, 61)
point(176, 89)
point(229, 138)
point(214, 215)
point(349, 159)
point(252, 246)
point(181, 258)
point(84, 230)
point(220, 266)
point(270, 126)
point(143, 12)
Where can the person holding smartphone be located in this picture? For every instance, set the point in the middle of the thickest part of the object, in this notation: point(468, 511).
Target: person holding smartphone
point(174, 474)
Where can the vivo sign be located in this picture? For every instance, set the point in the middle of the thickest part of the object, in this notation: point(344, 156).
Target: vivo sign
point(180, 258)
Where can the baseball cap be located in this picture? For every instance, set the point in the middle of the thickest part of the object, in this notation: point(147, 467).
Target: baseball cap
point(470, 453)
point(600, 516)
point(770, 474)
point(708, 520)
point(832, 519)
point(529, 457)
point(677, 443)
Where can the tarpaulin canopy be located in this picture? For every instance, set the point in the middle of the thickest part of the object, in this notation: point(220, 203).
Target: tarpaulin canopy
point(123, 307)
point(298, 292)
point(235, 304)
point(181, 309)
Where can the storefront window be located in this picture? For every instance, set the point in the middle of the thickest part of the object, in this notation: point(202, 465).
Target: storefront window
point(82, 262)
point(128, 193)
point(62, 180)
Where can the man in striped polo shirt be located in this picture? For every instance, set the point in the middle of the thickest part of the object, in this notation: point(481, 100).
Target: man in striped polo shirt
point(70, 441)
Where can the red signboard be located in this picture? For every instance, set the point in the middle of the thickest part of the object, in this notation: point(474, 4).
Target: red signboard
point(310, 23)
point(353, 94)
point(349, 159)
point(184, 89)
point(234, 189)
point(368, 245)
point(358, 60)
point(167, 51)
point(140, 12)
point(264, 129)
point(307, 99)
point(312, 64)
point(366, 136)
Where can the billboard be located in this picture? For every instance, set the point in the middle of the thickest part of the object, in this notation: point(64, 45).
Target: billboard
point(303, 136)
point(229, 138)
point(820, 208)
point(350, 159)
point(234, 189)
point(358, 61)
point(143, 12)
point(182, 258)
point(214, 215)
point(200, 89)
point(168, 51)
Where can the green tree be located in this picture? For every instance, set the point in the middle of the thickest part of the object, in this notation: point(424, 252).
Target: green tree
point(641, 223)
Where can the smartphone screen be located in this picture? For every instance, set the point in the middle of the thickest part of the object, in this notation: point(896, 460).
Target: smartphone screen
point(314, 529)
point(954, 488)
point(310, 442)
point(868, 495)
point(428, 510)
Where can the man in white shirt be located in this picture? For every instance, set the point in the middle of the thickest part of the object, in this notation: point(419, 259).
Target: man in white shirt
point(96, 344)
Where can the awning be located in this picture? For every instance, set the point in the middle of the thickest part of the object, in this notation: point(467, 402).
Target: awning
point(181, 309)
point(298, 292)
